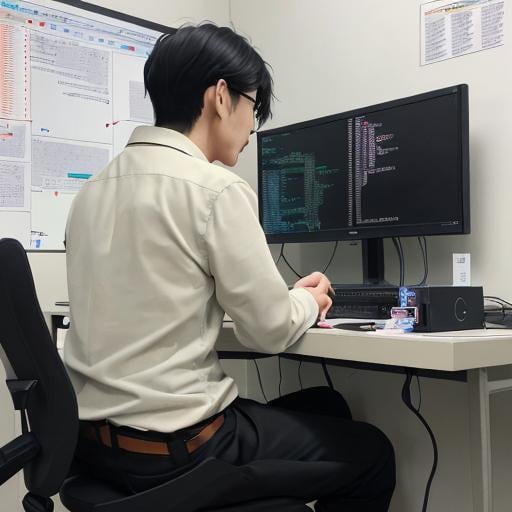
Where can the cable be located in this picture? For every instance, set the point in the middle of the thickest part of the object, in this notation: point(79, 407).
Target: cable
point(504, 306)
point(295, 272)
point(289, 266)
point(280, 374)
point(406, 397)
point(331, 258)
point(419, 392)
point(402, 277)
point(400, 259)
point(398, 247)
point(398, 254)
point(492, 297)
point(501, 310)
point(397, 242)
point(259, 379)
point(326, 374)
point(426, 260)
point(298, 373)
point(423, 247)
point(280, 255)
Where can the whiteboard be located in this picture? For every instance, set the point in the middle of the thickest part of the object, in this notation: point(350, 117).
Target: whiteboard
point(71, 93)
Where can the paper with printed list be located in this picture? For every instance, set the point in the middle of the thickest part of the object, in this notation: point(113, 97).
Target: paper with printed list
point(452, 28)
point(14, 186)
point(461, 269)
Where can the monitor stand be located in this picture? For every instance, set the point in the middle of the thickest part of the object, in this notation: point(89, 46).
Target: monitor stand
point(372, 253)
point(373, 262)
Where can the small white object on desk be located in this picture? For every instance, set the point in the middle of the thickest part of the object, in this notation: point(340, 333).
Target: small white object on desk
point(461, 269)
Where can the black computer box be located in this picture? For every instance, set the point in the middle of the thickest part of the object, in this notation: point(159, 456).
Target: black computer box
point(445, 308)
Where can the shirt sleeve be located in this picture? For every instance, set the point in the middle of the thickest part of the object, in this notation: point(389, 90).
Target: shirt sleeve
point(266, 315)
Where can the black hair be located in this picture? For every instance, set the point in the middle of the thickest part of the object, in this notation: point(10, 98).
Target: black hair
point(185, 63)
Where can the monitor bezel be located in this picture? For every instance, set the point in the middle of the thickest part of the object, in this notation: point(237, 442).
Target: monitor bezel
point(105, 11)
point(361, 233)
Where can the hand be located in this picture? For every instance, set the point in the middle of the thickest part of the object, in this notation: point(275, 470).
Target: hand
point(320, 287)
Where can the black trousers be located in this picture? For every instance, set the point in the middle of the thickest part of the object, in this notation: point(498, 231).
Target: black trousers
point(302, 445)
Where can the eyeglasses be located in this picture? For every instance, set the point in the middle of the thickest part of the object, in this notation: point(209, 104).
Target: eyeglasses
point(249, 98)
point(245, 95)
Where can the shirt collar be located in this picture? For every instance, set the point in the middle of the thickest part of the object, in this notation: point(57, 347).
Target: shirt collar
point(166, 137)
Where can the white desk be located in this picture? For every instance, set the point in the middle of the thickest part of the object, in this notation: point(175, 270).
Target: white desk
point(474, 351)
point(458, 350)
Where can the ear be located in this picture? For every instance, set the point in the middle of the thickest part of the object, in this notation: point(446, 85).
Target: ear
point(222, 99)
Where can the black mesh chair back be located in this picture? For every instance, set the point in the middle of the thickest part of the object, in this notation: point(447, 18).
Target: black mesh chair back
point(37, 380)
point(42, 392)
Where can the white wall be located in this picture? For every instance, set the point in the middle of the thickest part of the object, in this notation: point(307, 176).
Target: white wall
point(330, 56)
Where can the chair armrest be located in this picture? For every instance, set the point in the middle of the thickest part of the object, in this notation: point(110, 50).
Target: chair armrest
point(16, 454)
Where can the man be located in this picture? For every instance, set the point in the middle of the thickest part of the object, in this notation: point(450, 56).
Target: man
point(160, 244)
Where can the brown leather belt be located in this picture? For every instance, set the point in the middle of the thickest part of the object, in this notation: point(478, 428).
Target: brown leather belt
point(103, 433)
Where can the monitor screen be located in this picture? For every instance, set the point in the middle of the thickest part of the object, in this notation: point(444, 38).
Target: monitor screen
point(395, 169)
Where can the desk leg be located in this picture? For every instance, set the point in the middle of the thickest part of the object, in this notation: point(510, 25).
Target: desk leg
point(480, 440)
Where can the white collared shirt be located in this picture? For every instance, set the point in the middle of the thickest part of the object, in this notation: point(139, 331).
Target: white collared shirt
point(159, 245)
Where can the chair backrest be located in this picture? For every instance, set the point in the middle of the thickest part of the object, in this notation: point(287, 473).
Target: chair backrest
point(31, 355)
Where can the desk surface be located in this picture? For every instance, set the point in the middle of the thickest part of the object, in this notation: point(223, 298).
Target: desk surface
point(459, 350)
point(452, 351)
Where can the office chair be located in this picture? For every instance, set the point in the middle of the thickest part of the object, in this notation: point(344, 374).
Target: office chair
point(42, 392)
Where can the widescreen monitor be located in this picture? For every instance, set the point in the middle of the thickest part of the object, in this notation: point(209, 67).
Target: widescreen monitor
point(399, 168)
